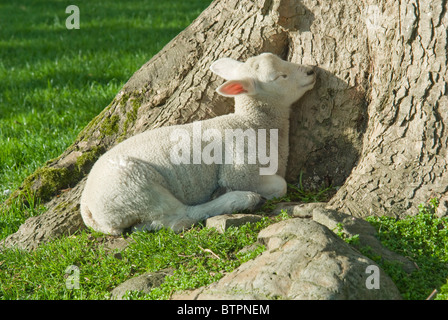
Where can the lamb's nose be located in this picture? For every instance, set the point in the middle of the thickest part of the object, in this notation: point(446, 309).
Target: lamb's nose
point(310, 72)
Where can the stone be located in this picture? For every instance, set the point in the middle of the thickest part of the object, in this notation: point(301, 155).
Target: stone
point(297, 209)
point(303, 260)
point(223, 222)
point(367, 235)
point(143, 283)
point(117, 243)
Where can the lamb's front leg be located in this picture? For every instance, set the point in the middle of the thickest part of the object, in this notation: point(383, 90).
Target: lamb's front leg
point(273, 186)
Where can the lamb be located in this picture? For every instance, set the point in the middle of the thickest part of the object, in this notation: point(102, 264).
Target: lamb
point(137, 184)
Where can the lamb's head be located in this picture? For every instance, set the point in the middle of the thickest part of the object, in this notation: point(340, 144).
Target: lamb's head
point(265, 77)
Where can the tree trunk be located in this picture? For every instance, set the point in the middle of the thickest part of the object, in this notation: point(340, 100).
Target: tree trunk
point(404, 155)
point(374, 124)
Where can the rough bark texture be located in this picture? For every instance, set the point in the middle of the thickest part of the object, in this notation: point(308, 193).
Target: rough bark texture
point(404, 156)
point(375, 123)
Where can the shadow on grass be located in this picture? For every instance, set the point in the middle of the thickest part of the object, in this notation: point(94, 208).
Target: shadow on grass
point(34, 36)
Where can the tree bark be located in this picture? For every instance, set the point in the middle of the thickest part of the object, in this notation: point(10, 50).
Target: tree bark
point(404, 155)
point(375, 123)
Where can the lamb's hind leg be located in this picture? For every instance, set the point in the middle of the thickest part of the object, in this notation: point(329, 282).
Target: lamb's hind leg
point(226, 203)
point(178, 216)
point(185, 217)
point(273, 186)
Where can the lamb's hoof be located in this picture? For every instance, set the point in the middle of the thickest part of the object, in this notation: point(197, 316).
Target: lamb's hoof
point(260, 204)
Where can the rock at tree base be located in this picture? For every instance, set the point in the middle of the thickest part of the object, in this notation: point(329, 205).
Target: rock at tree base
point(143, 283)
point(223, 222)
point(303, 260)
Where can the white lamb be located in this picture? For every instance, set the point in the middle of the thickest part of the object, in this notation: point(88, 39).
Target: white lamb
point(137, 183)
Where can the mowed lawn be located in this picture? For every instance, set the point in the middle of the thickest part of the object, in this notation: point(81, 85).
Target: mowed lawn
point(53, 80)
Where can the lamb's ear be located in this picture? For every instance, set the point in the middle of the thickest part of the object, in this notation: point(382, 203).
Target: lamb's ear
point(226, 68)
point(234, 88)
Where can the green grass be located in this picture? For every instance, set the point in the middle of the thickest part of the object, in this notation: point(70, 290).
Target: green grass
point(53, 81)
point(423, 239)
point(13, 216)
point(198, 256)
